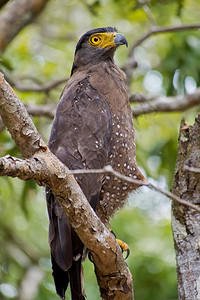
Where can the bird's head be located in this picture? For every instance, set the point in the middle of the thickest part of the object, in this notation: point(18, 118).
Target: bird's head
point(97, 45)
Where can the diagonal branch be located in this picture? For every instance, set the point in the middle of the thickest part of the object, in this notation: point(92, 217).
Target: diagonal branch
point(112, 273)
point(131, 63)
point(158, 30)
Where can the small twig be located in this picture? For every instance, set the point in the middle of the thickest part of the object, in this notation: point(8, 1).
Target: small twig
point(191, 169)
point(158, 30)
point(109, 169)
point(149, 14)
point(39, 88)
point(131, 63)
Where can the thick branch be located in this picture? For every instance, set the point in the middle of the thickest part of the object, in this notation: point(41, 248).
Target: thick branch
point(166, 104)
point(113, 275)
point(17, 120)
point(16, 16)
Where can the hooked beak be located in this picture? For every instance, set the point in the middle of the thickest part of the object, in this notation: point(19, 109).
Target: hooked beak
point(120, 40)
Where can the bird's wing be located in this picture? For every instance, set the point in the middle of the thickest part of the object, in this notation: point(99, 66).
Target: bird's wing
point(81, 133)
point(80, 138)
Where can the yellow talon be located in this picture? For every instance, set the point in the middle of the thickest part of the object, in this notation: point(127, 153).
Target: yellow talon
point(124, 246)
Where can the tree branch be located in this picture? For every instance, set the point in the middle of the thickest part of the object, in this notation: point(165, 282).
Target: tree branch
point(191, 169)
point(131, 62)
point(46, 110)
point(158, 30)
point(166, 104)
point(16, 16)
point(39, 88)
point(109, 169)
point(113, 275)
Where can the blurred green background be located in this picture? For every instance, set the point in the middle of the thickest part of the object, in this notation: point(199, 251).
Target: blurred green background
point(168, 64)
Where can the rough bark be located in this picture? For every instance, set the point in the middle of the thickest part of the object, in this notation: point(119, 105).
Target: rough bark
point(113, 275)
point(186, 221)
point(18, 122)
point(16, 16)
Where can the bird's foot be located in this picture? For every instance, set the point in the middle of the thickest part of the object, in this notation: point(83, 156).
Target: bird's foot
point(124, 246)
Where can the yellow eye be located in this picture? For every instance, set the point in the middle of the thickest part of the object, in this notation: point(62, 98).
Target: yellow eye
point(95, 40)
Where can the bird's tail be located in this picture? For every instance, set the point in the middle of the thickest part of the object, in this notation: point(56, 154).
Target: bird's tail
point(72, 276)
point(76, 281)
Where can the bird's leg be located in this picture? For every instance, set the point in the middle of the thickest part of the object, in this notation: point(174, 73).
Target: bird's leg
point(124, 247)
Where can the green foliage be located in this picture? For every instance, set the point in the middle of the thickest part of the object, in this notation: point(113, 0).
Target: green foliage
point(44, 51)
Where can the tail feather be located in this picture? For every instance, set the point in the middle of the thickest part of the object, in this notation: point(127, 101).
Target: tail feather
point(62, 279)
point(66, 251)
point(75, 278)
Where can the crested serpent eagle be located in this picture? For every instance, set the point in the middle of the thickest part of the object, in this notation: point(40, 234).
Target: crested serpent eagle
point(92, 128)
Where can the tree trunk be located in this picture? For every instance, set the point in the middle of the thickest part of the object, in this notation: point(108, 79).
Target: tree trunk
point(186, 221)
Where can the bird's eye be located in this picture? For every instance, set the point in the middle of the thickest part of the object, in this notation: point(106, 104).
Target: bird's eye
point(95, 40)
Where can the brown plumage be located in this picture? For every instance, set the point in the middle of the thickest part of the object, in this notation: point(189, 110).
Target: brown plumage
point(92, 128)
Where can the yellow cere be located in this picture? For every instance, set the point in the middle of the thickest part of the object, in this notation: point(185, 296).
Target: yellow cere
point(103, 40)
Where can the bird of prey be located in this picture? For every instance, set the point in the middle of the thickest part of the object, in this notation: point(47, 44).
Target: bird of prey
point(92, 128)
